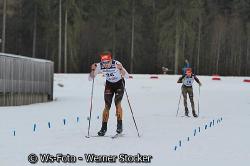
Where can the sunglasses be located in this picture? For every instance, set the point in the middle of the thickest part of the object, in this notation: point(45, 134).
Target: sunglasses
point(105, 62)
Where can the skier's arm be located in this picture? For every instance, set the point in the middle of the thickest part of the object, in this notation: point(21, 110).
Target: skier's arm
point(180, 79)
point(197, 80)
point(95, 69)
point(122, 70)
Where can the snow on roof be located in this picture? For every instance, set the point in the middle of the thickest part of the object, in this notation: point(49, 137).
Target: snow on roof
point(24, 57)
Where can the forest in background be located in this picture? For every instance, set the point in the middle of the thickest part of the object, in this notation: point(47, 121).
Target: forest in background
point(214, 35)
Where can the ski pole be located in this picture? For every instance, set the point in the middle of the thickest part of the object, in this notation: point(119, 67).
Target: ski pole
point(178, 105)
point(130, 109)
point(91, 101)
point(199, 101)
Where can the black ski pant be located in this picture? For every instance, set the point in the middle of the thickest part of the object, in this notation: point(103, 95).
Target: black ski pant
point(188, 90)
point(113, 89)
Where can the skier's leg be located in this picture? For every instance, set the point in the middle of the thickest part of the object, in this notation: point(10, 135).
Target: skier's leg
point(184, 93)
point(118, 98)
point(105, 114)
point(119, 113)
point(191, 97)
point(108, 96)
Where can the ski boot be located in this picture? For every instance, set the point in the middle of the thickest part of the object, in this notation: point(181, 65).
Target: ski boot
point(119, 126)
point(194, 114)
point(103, 130)
point(186, 112)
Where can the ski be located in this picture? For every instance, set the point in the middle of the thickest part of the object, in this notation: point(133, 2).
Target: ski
point(110, 136)
point(93, 136)
point(117, 135)
point(184, 116)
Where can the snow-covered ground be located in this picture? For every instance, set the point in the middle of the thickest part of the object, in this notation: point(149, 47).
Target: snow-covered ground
point(154, 103)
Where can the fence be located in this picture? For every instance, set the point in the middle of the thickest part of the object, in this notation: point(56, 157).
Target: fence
point(25, 80)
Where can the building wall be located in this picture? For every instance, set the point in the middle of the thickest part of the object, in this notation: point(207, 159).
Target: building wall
point(25, 80)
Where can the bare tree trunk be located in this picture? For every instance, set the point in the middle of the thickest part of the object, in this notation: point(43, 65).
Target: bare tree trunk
point(247, 58)
point(4, 24)
point(183, 41)
point(74, 61)
point(60, 37)
point(114, 39)
point(65, 40)
point(154, 13)
point(132, 37)
point(34, 32)
point(218, 53)
point(232, 57)
point(47, 40)
point(240, 54)
point(177, 40)
point(47, 47)
point(198, 46)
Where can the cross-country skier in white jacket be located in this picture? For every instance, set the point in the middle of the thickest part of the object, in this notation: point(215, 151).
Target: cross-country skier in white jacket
point(114, 73)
